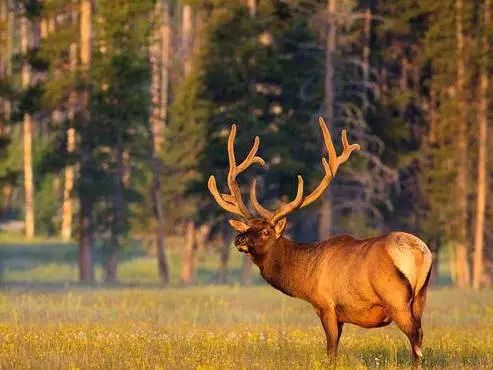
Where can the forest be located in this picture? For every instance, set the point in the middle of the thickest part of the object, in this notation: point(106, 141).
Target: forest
point(114, 113)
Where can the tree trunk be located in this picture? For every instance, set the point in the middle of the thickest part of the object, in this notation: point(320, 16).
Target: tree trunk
point(187, 271)
point(67, 207)
point(366, 59)
point(462, 261)
point(252, 7)
point(246, 271)
point(86, 227)
point(482, 184)
point(118, 211)
point(187, 38)
point(10, 53)
point(223, 271)
point(27, 129)
point(325, 218)
point(159, 58)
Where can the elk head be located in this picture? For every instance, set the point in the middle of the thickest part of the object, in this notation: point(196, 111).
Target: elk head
point(256, 235)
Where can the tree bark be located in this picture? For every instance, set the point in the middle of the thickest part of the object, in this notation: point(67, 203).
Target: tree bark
point(159, 57)
point(27, 129)
point(252, 7)
point(118, 210)
point(462, 262)
point(67, 207)
point(246, 271)
point(325, 217)
point(366, 58)
point(187, 271)
point(482, 185)
point(187, 38)
point(86, 227)
point(223, 271)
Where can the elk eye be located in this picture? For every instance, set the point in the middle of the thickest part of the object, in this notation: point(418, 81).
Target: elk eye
point(265, 232)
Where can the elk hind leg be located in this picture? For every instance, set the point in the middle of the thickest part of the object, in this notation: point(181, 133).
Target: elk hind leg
point(410, 326)
point(417, 308)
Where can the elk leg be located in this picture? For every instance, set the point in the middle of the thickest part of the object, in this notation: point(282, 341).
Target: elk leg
point(333, 330)
point(412, 328)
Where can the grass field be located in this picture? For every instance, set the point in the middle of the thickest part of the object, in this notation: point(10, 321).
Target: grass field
point(48, 322)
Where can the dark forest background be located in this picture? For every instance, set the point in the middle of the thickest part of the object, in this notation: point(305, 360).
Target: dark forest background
point(113, 114)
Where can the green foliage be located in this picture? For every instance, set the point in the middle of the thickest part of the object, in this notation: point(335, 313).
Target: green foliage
point(254, 77)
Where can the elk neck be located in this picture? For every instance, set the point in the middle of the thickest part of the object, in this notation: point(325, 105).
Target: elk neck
point(291, 267)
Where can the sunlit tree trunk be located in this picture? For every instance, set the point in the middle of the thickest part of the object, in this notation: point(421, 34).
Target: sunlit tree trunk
point(482, 185)
point(462, 269)
point(252, 7)
point(187, 37)
point(188, 271)
point(67, 207)
point(27, 137)
point(325, 218)
point(224, 253)
point(86, 227)
point(159, 58)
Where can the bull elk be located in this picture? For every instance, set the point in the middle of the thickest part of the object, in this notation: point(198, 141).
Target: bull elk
point(369, 282)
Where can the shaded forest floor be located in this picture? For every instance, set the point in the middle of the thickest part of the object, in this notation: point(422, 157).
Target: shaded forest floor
point(50, 264)
point(223, 327)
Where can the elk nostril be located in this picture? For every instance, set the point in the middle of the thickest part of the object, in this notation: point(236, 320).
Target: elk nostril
point(240, 239)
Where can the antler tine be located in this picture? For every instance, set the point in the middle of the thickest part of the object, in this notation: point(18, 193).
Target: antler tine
point(233, 202)
point(333, 163)
point(233, 172)
point(230, 207)
point(264, 212)
point(251, 157)
point(291, 206)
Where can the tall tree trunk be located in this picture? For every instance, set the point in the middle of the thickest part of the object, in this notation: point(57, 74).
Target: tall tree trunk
point(67, 207)
point(246, 271)
point(252, 7)
point(223, 271)
point(187, 37)
point(187, 271)
point(86, 226)
point(462, 261)
point(482, 184)
point(325, 218)
point(159, 58)
point(366, 58)
point(27, 129)
point(118, 211)
point(3, 56)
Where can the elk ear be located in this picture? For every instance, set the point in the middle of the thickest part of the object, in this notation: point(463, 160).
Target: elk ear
point(279, 227)
point(239, 226)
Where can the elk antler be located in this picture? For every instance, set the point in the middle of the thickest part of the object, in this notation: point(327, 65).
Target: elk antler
point(233, 202)
point(330, 168)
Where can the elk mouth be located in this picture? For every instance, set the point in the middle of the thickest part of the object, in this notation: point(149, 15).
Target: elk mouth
point(243, 249)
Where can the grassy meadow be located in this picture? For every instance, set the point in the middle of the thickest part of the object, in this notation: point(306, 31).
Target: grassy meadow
point(47, 321)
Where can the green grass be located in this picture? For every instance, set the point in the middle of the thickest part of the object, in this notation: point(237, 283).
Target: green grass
point(223, 327)
point(48, 321)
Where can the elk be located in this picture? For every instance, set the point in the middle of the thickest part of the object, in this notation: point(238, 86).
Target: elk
point(369, 283)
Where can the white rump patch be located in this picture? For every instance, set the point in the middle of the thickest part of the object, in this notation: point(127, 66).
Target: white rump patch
point(401, 248)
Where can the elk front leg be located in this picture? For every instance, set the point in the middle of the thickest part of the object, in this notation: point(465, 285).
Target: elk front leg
point(333, 330)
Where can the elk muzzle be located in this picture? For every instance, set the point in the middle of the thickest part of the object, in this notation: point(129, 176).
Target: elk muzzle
point(241, 242)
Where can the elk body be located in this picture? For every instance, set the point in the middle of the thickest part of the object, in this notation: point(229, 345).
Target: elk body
point(370, 282)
